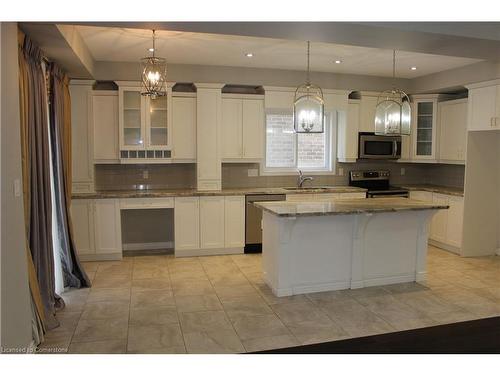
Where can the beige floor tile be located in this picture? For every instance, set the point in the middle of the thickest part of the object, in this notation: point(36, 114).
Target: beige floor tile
point(162, 350)
point(207, 302)
point(228, 292)
point(152, 298)
point(192, 288)
point(101, 330)
point(112, 281)
point(144, 338)
point(54, 345)
point(99, 347)
point(213, 342)
point(109, 295)
point(297, 312)
point(230, 279)
point(150, 273)
point(322, 298)
point(256, 326)
point(204, 321)
point(151, 284)
point(177, 277)
point(268, 343)
point(314, 331)
point(106, 310)
point(426, 302)
point(354, 318)
point(245, 305)
point(271, 299)
point(90, 266)
point(453, 316)
point(68, 320)
point(157, 315)
point(115, 269)
point(470, 301)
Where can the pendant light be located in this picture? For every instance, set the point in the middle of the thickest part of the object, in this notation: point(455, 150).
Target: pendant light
point(393, 111)
point(308, 106)
point(154, 74)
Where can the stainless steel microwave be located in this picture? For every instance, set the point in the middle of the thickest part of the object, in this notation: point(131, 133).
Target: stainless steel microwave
point(373, 146)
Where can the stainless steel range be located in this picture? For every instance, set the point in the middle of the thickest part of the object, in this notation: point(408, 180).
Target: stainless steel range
point(377, 183)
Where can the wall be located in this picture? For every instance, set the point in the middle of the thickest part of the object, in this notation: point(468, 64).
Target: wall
point(15, 297)
point(248, 76)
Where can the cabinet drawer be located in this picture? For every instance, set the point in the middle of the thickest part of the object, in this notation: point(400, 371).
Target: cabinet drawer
point(141, 203)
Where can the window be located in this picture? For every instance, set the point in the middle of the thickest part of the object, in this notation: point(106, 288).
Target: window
point(287, 151)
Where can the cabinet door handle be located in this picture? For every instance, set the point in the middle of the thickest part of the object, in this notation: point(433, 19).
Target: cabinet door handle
point(492, 121)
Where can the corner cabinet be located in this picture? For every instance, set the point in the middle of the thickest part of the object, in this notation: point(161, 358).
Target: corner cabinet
point(452, 115)
point(484, 106)
point(144, 124)
point(105, 126)
point(424, 128)
point(184, 128)
point(242, 127)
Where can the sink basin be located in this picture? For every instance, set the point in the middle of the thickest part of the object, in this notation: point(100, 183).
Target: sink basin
point(308, 188)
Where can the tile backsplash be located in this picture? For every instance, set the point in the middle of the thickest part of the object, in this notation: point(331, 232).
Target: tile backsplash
point(235, 175)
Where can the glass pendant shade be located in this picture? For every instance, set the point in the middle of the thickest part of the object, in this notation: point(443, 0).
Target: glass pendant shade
point(393, 113)
point(308, 110)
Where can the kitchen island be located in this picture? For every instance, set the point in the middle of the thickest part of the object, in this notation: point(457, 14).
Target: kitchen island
point(326, 245)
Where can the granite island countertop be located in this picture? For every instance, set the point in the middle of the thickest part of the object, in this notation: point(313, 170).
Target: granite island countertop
point(345, 207)
point(165, 193)
point(435, 189)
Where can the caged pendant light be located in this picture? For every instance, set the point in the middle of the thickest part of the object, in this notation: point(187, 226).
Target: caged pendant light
point(393, 111)
point(154, 74)
point(308, 106)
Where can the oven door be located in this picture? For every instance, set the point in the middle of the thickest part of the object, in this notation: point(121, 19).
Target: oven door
point(379, 147)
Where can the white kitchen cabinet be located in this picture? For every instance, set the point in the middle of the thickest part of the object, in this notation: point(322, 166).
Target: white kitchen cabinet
point(184, 128)
point(81, 136)
point(97, 228)
point(452, 116)
point(347, 132)
point(107, 226)
point(234, 219)
point(424, 128)
point(186, 224)
point(242, 128)
point(212, 222)
point(454, 225)
point(208, 136)
point(82, 215)
point(367, 114)
point(438, 225)
point(104, 112)
point(484, 106)
point(144, 124)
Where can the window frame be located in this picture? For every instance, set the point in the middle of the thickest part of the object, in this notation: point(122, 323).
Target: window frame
point(330, 147)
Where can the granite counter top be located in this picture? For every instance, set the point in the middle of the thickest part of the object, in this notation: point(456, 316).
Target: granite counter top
point(345, 207)
point(194, 193)
point(435, 189)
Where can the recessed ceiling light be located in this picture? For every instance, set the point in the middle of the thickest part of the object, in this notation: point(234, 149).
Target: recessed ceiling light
point(338, 61)
point(249, 54)
point(151, 49)
point(413, 68)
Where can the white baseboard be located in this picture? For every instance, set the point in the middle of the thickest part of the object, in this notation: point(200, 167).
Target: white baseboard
point(205, 252)
point(148, 245)
point(441, 245)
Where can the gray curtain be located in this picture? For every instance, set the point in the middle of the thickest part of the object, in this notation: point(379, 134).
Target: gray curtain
point(35, 134)
point(60, 139)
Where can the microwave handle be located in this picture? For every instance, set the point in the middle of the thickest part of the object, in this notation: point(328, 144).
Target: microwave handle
point(395, 148)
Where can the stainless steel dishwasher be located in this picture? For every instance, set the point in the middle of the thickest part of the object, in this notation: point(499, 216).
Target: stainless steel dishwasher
point(253, 220)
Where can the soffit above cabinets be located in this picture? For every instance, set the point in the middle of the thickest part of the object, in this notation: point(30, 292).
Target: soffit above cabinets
point(129, 45)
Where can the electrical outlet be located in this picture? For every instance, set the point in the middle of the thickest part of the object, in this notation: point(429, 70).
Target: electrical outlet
point(341, 171)
point(253, 172)
point(403, 171)
point(145, 174)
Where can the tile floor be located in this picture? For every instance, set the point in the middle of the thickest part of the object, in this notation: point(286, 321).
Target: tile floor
point(219, 304)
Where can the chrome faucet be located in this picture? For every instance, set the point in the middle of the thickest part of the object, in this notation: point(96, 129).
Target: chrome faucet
point(301, 179)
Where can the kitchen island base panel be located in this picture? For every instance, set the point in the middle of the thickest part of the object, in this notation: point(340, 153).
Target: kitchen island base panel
point(323, 253)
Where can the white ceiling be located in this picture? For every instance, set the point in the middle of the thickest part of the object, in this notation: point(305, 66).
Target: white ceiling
point(129, 45)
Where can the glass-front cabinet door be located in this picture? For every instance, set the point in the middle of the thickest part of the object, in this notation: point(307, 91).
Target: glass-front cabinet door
point(157, 122)
point(424, 129)
point(132, 114)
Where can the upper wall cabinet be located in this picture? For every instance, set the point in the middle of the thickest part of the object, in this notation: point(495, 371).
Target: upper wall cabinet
point(347, 129)
point(424, 127)
point(144, 124)
point(367, 112)
point(242, 127)
point(184, 127)
point(484, 106)
point(105, 126)
point(452, 116)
